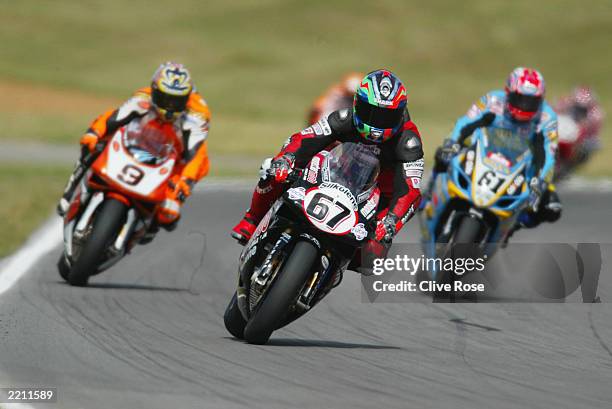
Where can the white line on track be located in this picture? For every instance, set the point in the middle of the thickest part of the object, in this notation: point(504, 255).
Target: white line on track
point(40, 242)
point(50, 233)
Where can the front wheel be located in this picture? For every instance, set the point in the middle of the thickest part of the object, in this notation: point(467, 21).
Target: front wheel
point(106, 226)
point(282, 293)
point(233, 319)
point(461, 245)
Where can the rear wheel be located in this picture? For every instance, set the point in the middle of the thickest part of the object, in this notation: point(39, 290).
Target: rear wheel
point(234, 322)
point(282, 293)
point(106, 226)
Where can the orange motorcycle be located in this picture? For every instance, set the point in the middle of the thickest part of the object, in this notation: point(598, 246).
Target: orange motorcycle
point(116, 201)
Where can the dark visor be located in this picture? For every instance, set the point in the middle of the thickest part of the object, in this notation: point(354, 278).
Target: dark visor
point(526, 103)
point(172, 103)
point(383, 118)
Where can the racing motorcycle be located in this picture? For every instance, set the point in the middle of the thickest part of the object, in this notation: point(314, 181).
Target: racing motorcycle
point(117, 199)
point(305, 242)
point(575, 147)
point(475, 204)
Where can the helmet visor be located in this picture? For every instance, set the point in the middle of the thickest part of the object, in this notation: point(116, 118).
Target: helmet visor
point(382, 118)
point(527, 103)
point(171, 103)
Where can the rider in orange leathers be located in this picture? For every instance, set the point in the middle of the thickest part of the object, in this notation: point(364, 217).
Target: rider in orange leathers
point(172, 101)
point(336, 97)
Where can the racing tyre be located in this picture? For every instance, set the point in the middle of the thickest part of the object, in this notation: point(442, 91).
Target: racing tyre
point(106, 226)
point(62, 267)
point(282, 293)
point(234, 322)
point(460, 246)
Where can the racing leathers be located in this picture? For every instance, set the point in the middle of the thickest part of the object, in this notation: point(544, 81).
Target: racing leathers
point(489, 111)
point(401, 160)
point(191, 130)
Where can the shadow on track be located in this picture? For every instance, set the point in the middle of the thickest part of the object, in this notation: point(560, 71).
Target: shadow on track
point(127, 286)
point(295, 342)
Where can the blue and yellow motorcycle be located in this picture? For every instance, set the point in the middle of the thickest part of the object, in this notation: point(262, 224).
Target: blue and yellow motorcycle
point(478, 199)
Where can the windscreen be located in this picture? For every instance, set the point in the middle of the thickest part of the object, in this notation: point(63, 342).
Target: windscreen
point(507, 143)
point(353, 165)
point(148, 142)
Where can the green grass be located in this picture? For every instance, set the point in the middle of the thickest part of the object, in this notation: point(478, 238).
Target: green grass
point(261, 63)
point(29, 195)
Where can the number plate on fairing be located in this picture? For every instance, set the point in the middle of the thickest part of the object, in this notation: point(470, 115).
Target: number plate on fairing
point(331, 208)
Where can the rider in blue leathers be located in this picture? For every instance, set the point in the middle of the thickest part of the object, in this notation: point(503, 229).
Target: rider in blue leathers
point(522, 109)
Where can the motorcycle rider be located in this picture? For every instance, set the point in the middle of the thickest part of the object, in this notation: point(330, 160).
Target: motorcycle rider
point(378, 117)
point(172, 100)
point(583, 107)
point(336, 97)
point(519, 107)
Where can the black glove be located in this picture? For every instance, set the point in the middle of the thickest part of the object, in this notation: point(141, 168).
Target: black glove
point(281, 167)
point(485, 120)
point(444, 154)
point(386, 229)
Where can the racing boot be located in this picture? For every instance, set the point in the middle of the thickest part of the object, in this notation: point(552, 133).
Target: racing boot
point(245, 229)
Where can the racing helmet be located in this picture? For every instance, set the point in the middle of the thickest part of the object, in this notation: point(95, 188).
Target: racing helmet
point(379, 105)
point(525, 90)
point(171, 86)
point(583, 99)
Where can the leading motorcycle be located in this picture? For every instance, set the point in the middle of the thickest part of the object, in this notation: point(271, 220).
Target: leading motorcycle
point(305, 242)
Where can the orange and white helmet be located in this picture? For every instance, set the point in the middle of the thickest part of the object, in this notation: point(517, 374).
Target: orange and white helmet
point(171, 86)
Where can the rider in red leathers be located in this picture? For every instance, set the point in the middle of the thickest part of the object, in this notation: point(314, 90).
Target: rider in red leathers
point(582, 107)
point(378, 117)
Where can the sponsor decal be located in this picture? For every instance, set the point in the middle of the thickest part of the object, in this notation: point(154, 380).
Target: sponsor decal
point(359, 231)
point(408, 214)
point(414, 169)
point(369, 208)
point(296, 193)
point(304, 132)
point(416, 182)
point(340, 188)
point(385, 87)
point(383, 102)
point(376, 133)
point(316, 127)
point(324, 124)
point(313, 170)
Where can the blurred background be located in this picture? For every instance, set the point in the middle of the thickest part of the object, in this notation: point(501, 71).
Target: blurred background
point(260, 64)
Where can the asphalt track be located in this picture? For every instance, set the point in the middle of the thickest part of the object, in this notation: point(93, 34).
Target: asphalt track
point(149, 334)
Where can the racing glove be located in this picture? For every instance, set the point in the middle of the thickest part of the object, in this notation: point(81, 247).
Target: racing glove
point(386, 229)
point(89, 140)
point(180, 188)
point(281, 167)
point(535, 196)
point(444, 154)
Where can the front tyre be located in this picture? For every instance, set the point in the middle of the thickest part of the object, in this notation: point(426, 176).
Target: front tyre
point(106, 226)
point(233, 319)
point(282, 293)
point(461, 245)
point(62, 267)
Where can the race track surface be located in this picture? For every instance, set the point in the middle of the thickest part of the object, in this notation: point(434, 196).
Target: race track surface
point(149, 334)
